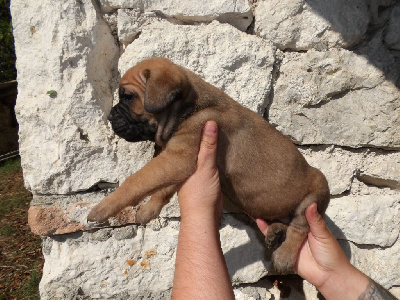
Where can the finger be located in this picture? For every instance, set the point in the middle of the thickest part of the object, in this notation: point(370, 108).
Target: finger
point(317, 224)
point(208, 146)
point(262, 225)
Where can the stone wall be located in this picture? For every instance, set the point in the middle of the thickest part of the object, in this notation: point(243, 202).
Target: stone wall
point(326, 73)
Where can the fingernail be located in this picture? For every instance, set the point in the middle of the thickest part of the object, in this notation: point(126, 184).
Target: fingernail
point(314, 210)
point(210, 128)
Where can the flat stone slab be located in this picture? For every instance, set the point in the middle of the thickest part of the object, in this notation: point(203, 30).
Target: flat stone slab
point(305, 24)
point(319, 98)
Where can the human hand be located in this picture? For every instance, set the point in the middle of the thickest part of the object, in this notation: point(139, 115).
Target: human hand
point(322, 262)
point(321, 256)
point(200, 268)
point(200, 194)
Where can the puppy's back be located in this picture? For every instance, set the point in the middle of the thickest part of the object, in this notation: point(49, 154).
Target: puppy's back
point(261, 170)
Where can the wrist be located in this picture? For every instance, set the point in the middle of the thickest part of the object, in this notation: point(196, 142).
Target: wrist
point(201, 216)
point(346, 282)
point(201, 213)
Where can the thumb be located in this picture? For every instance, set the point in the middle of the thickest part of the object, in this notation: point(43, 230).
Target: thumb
point(317, 224)
point(208, 147)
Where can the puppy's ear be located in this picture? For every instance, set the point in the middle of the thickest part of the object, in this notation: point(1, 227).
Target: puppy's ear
point(162, 88)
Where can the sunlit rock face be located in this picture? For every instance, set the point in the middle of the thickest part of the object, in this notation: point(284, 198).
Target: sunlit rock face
point(325, 74)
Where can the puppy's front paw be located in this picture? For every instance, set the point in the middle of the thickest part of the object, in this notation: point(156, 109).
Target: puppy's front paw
point(147, 212)
point(144, 217)
point(99, 214)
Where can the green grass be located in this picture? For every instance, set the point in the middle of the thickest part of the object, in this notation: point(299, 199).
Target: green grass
point(13, 195)
point(7, 230)
point(30, 288)
point(21, 258)
point(10, 166)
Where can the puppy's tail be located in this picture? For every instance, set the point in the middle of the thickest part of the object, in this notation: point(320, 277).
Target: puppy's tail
point(318, 192)
point(284, 258)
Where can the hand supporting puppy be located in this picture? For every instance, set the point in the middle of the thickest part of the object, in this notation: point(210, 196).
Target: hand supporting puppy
point(322, 262)
point(200, 270)
point(201, 192)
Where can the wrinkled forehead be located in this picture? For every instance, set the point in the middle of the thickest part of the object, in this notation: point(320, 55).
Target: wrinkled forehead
point(133, 80)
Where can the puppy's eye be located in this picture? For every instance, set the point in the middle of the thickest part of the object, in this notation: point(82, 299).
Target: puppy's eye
point(128, 96)
point(125, 95)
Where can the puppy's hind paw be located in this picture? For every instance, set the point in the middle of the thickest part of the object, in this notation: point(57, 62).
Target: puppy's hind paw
point(276, 234)
point(284, 260)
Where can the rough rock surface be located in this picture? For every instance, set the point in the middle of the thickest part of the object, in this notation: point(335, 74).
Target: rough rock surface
point(64, 135)
point(378, 213)
point(382, 264)
point(312, 24)
point(392, 38)
point(174, 7)
point(319, 98)
point(325, 75)
point(139, 261)
point(341, 166)
point(129, 16)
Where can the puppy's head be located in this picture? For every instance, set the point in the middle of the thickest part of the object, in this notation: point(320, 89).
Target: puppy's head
point(154, 96)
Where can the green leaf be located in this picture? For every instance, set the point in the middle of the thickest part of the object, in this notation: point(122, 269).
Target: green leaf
point(52, 93)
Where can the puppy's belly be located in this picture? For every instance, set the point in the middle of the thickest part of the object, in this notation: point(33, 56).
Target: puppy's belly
point(262, 202)
point(270, 209)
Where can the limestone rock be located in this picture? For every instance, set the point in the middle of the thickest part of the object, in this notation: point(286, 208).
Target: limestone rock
point(70, 55)
point(131, 157)
point(208, 51)
point(381, 169)
point(380, 264)
point(392, 38)
point(303, 25)
point(64, 136)
point(129, 22)
point(132, 13)
point(244, 249)
point(139, 265)
point(395, 290)
point(348, 216)
point(171, 210)
point(135, 261)
point(338, 165)
point(277, 288)
point(174, 7)
point(335, 97)
point(61, 214)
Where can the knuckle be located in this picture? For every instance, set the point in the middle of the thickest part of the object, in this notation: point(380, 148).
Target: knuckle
point(209, 143)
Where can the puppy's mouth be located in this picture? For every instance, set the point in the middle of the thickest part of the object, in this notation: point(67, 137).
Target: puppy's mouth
point(129, 126)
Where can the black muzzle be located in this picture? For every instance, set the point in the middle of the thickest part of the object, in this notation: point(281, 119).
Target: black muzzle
point(128, 126)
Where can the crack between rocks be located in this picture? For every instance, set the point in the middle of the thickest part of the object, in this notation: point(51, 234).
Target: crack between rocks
point(369, 246)
point(180, 19)
point(351, 149)
point(338, 95)
point(275, 76)
point(108, 187)
point(378, 182)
